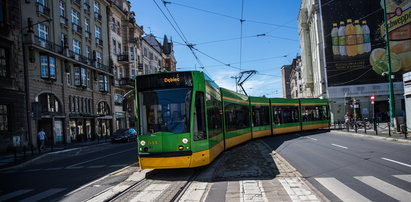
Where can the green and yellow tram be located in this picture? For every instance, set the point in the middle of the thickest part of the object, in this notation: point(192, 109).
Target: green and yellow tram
point(185, 120)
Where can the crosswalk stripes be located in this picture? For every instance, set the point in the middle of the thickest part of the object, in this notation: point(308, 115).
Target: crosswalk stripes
point(386, 188)
point(345, 193)
point(404, 177)
point(340, 190)
point(14, 194)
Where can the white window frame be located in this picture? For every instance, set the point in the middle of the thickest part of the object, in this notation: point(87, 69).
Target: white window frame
point(76, 47)
point(96, 7)
point(43, 31)
point(87, 24)
point(75, 17)
point(62, 6)
point(97, 32)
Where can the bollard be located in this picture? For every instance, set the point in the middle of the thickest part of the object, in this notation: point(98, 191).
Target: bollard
point(389, 129)
point(355, 126)
point(346, 125)
point(365, 127)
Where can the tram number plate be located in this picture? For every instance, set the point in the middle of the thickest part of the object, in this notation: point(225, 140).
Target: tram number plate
point(152, 142)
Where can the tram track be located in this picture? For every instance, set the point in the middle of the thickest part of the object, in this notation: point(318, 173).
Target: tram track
point(181, 181)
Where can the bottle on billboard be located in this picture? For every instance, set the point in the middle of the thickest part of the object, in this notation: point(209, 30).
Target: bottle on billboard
point(350, 39)
point(359, 37)
point(366, 36)
point(341, 39)
point(334, 37)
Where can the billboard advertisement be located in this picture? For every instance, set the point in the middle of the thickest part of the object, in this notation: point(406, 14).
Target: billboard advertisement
point(354, 35)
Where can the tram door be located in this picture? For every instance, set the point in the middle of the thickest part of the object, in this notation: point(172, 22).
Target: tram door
point(199, 118)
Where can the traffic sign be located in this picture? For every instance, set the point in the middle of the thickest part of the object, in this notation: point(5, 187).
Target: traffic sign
point(372, 98)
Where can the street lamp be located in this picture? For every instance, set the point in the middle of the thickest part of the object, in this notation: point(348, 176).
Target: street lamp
point(391, 88)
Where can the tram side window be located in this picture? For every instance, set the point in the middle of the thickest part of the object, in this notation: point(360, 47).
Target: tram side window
point(315, 113)
point(285, 114)
point(214, 118)
point(236, 116)
point(199, 124)
point(261, 115)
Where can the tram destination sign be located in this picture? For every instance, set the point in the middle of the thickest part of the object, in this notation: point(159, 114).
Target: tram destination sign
point(167, 80)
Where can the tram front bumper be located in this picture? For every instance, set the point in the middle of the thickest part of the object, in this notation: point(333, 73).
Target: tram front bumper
point(165, 160)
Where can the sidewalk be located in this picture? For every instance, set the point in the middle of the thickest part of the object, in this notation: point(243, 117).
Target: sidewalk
point(383, 132)
point(27, 154)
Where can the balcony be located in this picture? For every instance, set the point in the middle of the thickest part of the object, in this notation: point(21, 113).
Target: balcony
point(140, 65)
point(63, 20)
point(74, 55)
point(103, 67)
point(97, 16)
point(123, 57)
point(44, 43)
point(77, 28)
point(126, 82)
point(78, 2)
point(86, 8)
point(85, 60)
point(42, 9)
point(99, 42)
point(133, 40)
point(87, 35)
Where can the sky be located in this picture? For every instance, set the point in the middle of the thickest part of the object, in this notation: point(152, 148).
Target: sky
point(269, 37)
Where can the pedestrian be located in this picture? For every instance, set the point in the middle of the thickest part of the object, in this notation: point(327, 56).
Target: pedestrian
point(346, 118)
point(42, 138)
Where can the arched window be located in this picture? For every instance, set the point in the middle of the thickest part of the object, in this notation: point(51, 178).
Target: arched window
point(103, 108)
point(49, 103)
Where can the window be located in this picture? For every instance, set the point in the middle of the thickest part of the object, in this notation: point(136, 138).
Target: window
point(76, 47)
point(103, 108)
point(87, 24)
point(49, 103)
point(145, 51)
point(62, 9)
point(214, 118)
point(119, 48)
point(96, 7)
point(151, 55)
point(133, 73)
point(3, 63)
point(4, 117)
point(285, 114)
point(103, 83)
point(236, 116)
point(2, 7)
point(88, 52)
point(75, 17)
point(98, 32)
point(47, 67)
point(81, 77)
point(43, 31)
point(98, 56)
point(315, 113)
point(62, 39)
point(114, 46)
point(261, 115)
point(88, 78)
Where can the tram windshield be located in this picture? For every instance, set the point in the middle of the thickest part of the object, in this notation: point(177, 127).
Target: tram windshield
point(165, 110)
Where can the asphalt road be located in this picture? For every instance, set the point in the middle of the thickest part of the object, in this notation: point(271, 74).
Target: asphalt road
point(53, 176)
point(345, 167)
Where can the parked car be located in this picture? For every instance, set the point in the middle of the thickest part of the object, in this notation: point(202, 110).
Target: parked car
point(124, 135)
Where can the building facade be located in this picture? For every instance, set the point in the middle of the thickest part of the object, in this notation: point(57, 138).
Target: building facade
point(152, 57)
point(285, 77)
point(339, 71)
point(66, 50)
point(13, 108)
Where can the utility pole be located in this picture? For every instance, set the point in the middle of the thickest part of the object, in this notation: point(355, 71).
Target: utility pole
point(391, 88)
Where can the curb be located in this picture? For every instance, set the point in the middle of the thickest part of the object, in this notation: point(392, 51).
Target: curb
point(374, 137)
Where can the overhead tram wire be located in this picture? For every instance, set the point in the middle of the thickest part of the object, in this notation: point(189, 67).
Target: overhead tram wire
point(231, 17)
point(219, 61)
point(180, 35)
point(241, 33)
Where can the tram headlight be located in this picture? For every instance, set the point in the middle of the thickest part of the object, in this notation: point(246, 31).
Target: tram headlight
point(184, 140)
point(142, 142)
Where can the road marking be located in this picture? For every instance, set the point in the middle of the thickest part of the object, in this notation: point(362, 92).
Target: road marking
point(340, 190)
point(71, 167)
point(43, 195)
point(14, 194)
point(32, 170)
point(97, 166)
point(312, 138)
point(386, 188)
point(404, 177)
point(120, 165)
point(101, 157)
point(51, 169)
point(336, 145)
point(401, 163)
point(150, 193)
